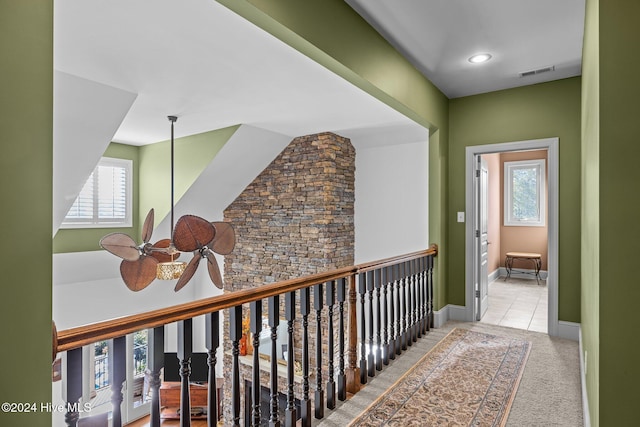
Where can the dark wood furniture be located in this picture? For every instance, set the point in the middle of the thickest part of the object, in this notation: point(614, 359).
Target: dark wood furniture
point(170, 399)
point(536, 259)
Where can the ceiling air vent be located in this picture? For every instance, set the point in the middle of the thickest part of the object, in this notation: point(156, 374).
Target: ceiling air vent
point(538, 71)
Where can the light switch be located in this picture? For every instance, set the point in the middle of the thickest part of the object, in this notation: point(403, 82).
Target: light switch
point(460, 216)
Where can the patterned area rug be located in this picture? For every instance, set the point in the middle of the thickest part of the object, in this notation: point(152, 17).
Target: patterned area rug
point(467, 379)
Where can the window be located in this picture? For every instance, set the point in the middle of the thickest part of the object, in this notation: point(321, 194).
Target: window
point(105, 199)
point(524, 188)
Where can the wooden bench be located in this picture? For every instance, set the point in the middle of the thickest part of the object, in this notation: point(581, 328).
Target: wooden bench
point(536, 259)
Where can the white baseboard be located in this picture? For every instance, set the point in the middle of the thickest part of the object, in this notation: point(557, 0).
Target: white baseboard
point(449, 312)
point(493, 276)
point(583, 380)
point(569, 330)
point(440, 317)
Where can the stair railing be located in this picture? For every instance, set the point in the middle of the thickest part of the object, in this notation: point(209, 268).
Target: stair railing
point(382, 307)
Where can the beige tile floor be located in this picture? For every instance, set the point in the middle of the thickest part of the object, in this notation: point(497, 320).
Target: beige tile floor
point(518, 303)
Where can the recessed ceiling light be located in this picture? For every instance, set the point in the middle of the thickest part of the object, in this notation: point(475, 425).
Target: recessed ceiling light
point(479, 58)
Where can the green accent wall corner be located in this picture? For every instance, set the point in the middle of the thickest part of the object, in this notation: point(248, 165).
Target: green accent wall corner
point(26, 118)
point(525, 113)
point(192, 155)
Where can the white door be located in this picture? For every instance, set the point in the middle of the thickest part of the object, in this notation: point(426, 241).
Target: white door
point(482, 243)
point(137, 402)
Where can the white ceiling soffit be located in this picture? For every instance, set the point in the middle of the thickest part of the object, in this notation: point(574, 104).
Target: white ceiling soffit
point(86, 115)
point(438, 37)
point(205, 64)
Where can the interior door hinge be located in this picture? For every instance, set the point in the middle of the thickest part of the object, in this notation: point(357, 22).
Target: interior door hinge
point(477, 294)
point(477, 233)
point(477, 173)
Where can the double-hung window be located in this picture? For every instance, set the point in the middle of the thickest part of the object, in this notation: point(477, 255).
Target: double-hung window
point(105, 199)
point(524, 193)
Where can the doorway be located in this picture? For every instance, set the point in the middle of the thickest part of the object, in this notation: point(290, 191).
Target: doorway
point(476, 295)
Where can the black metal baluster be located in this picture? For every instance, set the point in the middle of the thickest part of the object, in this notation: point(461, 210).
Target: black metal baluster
point(385, 312)
point(399, 333)
point(290, 414)
point(342, 378)
point(235, 333)
point(274, 321)
point(378, 353)
point(212, 341)
point(319, 395)
point(425, 311)
point(331, 385)
point(404, 318)
point(425, 278)
point(155, 348)
point(411, 330)
point(421, 329)
point(185, 350)
point(371, 366)
point(362, 288)
point(392, 314)
point(305, 309)
point(117, 376)
point(415, 300)
point(73, 372)
point(255, 326)
point(431, 290)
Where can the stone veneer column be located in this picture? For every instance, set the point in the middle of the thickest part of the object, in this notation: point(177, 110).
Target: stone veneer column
point(294, 219)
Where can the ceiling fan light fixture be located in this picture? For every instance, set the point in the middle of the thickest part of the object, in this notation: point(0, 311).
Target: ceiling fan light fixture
point(143, 263)
point(170, 270)
point(480, 58)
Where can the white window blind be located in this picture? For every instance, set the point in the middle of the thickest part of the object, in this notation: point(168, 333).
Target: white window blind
point(105, 198)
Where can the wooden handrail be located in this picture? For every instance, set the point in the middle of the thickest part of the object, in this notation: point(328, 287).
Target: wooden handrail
point(69, 339)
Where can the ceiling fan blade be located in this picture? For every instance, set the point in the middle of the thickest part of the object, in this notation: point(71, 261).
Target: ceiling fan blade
point(189, 271)
point(192, 233)
point(147, 227)
point(137, 275)
point(214, 270)
point(225, 238)
point(121, 246)
point(161, 255)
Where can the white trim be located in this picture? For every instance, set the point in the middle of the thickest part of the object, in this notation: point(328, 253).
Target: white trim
point(550, 144)
point(458, 312)
point(496, 274)
point(449, 312)
point(509, 167)
point(569, 330)
point(583, 381)
point(440, 317)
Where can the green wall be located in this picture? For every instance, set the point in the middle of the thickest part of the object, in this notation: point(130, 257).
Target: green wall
point(619, 204)
point(530, 112)
point(86, 239)
point(192, 155)
point(438, 202)
point(151, 184)
point(335, 36)
point(590, 246)
point(26, 164)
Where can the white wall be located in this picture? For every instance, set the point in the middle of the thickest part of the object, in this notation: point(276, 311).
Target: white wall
point(392, 199)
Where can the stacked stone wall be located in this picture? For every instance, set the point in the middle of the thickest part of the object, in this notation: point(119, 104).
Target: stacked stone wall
point(293, 220)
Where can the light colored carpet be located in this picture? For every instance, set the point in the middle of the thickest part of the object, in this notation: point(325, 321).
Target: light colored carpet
point(549, 393)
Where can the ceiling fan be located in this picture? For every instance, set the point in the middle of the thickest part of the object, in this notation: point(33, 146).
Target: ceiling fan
point(144, 262)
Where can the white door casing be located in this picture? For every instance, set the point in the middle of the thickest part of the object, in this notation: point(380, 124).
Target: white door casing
point(552, 147)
